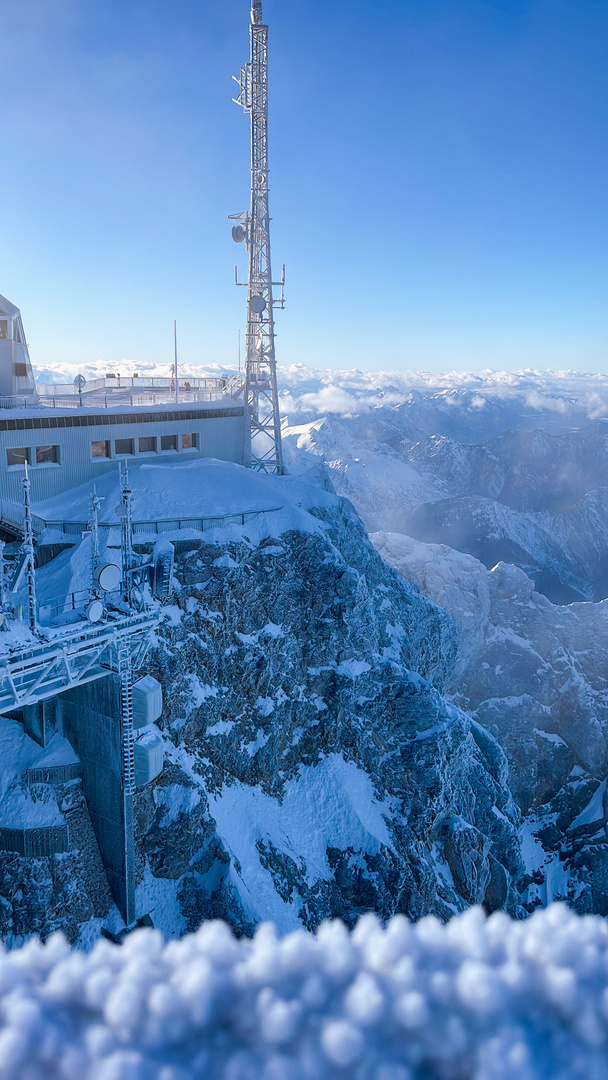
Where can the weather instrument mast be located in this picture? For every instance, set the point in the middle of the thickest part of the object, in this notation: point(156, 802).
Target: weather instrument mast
point(253, 228)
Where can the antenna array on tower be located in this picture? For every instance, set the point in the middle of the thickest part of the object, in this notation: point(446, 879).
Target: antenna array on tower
point(261, 394)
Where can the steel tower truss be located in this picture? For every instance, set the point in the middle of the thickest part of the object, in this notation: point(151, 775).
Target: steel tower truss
point(260, 368)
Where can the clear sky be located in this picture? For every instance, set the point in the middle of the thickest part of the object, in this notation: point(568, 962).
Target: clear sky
point(438, 187)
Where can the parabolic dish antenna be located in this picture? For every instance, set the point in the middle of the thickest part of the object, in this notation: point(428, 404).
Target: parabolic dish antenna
point(80, 382)
point(121, 510)
point(238, 234)
point(95, 611)
point(108, 577)
point(257, 304)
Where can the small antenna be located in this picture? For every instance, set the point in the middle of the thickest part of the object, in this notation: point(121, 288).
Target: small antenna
point(2, 591)
point(94, 529)
point(127, 532)
point(28, 550)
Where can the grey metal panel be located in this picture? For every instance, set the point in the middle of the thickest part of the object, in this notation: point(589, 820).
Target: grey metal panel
point(36, 843)
point(54, 774)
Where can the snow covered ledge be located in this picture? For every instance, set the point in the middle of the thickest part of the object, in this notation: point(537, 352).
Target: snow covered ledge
point(477, 999)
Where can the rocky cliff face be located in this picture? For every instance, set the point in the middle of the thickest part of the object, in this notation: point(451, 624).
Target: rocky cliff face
point(315, 767)
point(534, 675)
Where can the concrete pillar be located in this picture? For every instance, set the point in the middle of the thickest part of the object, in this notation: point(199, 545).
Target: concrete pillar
point(40, 720)
point(91, 718)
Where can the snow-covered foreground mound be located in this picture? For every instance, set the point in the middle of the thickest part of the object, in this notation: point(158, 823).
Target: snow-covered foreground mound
point(476, 999)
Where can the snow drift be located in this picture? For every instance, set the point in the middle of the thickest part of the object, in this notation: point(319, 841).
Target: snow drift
point(476, 999)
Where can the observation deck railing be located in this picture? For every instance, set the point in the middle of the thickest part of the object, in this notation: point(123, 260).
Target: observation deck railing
point(113, 391)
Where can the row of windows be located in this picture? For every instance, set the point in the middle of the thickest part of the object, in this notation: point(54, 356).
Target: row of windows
point(40, 455)
point(102, 448)
point(148, 444)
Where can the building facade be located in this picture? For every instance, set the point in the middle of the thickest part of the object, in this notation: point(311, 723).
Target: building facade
point(69, 445)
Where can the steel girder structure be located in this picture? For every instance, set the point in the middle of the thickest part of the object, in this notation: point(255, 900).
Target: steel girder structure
point(45, 670)
point(260, 367)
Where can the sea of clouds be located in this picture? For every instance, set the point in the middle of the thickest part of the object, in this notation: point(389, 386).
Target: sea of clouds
point(476, 999)
point(307, 392)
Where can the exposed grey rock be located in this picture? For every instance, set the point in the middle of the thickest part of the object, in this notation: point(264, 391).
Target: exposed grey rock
point(535, 676)
point(281, 657)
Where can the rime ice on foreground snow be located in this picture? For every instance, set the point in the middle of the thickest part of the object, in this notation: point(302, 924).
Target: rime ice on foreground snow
point(476, 999)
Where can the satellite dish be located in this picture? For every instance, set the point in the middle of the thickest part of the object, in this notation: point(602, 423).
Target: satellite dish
point(238, 234)
point(257, 304)
point(80, 382)
point(94, 611)
point(121, 510)
point(108, 577)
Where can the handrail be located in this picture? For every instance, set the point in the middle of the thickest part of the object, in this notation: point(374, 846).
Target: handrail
point(199, 524)
point(13, 521)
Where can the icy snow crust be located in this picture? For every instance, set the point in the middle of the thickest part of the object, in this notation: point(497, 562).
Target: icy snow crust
point(475, 999)
point(331, 806)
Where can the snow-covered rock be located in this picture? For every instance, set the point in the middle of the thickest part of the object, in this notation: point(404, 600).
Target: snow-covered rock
point(534, 674)
point(327, 773)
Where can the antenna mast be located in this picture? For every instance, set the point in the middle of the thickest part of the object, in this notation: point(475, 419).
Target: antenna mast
point(28, 550)
point(261, 393)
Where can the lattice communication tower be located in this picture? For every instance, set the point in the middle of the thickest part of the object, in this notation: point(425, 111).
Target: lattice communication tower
point(253, 228)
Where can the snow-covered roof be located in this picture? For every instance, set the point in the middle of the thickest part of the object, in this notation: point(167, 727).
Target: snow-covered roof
point(199, 488)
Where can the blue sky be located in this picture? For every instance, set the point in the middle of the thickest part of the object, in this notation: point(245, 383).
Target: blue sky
point(438, 183)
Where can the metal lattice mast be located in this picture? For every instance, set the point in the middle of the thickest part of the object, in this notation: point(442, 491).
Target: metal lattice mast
point(94, 530)
point(260, 369)
point(125, 674)
point(127, 532)
point(28, 549)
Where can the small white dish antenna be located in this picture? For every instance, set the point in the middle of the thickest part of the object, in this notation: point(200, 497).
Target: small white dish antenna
point(257, 304)
point(238, 234)
point(121, 510)
point(108, 577)
point(95, 611)
point(80, 382)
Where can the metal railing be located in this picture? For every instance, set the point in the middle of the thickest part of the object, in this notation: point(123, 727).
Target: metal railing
point(117, 399)
point(62, 605)
point(11, 516)
point(198, 524)
point(130, 384)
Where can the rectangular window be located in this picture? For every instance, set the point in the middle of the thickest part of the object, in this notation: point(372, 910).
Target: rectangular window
point(168, 442)
point(100, 448)
point(147, 445)
point(47, 455)
point(20, 370)
point(18, 455)
point(124, 446)
point(3, 329)
point(190, 442)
